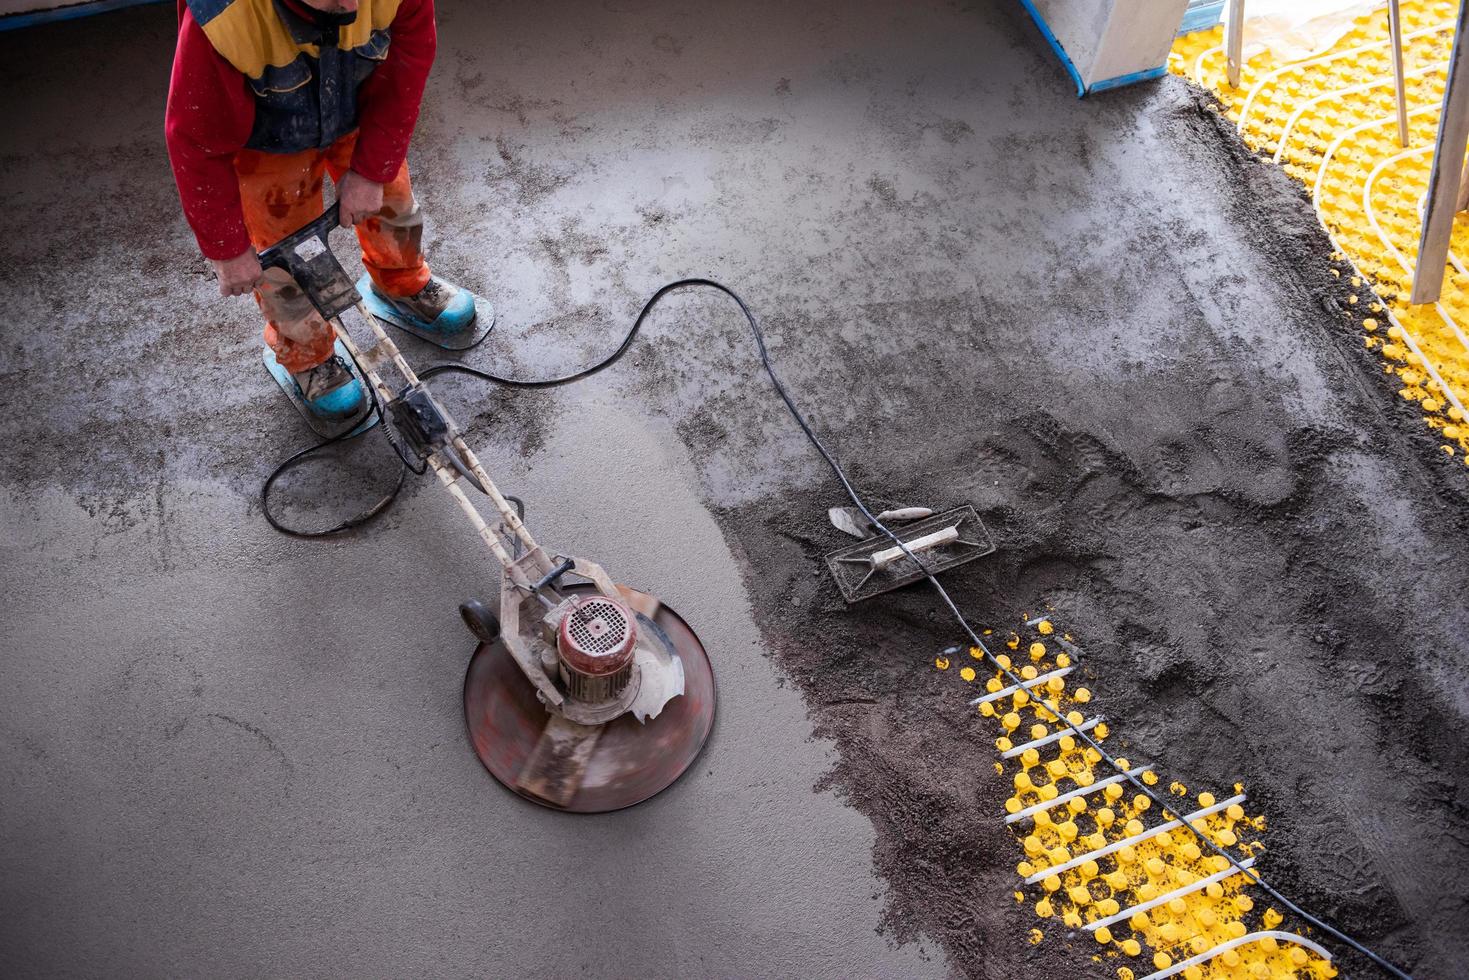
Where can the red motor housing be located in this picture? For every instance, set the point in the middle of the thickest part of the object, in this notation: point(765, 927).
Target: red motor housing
point(595, 642)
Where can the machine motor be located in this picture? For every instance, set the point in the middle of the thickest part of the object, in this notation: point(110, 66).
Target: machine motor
point(595, 643)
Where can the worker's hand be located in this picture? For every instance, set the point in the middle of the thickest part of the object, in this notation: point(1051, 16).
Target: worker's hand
point(237, 276)
point(359, 198)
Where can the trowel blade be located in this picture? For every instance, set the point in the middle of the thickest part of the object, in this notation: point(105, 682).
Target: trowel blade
point(850, 520)
point(558, 763)
point(594, 770)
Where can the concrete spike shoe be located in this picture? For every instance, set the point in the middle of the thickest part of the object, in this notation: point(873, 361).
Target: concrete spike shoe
point(438, 307)
point(330, 389)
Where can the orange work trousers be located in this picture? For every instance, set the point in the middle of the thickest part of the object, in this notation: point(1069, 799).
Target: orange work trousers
point(281, 192)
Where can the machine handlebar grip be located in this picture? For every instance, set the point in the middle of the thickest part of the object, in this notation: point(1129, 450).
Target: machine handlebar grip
point(277, 254)
point(307, 255)
point(566, 565)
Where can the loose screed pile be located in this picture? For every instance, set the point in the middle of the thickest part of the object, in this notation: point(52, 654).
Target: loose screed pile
point(1331, 122)
point(1104, 862)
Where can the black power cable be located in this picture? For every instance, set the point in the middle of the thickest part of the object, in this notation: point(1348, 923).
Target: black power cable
point(375, 409)
point(296, 458)
point(856, 498)
point(1019, 682)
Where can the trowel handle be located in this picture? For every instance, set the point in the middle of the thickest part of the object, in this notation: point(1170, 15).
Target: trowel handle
point(883, 559)
point(277, 255)
point(905, 514)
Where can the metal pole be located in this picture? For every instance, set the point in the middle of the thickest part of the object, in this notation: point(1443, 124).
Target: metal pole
point(1234, 40)
point(447, 475)
point(1445, 178)
point(507, 513)
point(1395, 28)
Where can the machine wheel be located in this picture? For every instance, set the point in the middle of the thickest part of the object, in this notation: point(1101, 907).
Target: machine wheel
point(484, 624)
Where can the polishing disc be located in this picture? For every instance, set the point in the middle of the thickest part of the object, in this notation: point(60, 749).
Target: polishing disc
point(631, 760)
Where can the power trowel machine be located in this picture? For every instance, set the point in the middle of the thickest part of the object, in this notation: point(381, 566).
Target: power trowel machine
point(582, 695)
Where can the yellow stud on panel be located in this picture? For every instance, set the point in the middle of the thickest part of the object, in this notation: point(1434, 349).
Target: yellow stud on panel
point(1331, 122)
point(1096, 855)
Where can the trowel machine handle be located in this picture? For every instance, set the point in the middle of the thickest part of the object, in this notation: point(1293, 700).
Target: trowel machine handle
point(307, 256)
point(416, 423)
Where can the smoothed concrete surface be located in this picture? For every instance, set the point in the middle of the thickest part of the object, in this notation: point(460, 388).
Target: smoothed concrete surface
point(229, 754)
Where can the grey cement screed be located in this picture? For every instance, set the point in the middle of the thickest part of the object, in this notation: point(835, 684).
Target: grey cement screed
point(231, 754)
point(229, 761)
point(227, 753)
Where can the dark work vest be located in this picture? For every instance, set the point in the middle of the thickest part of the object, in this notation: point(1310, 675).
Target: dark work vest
point(308, 101)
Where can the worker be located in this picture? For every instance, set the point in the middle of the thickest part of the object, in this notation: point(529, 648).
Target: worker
point(268, 95)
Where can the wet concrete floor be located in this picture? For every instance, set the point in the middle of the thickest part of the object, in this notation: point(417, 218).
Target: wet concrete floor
point(229, 753)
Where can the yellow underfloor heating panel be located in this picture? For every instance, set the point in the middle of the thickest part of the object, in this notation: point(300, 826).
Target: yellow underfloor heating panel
point(1331, 121)
point(1096, 858)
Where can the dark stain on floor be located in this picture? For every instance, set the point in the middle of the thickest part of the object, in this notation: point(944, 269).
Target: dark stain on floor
point(1266, 589)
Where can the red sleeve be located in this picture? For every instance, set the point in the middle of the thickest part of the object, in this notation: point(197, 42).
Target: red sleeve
point(210, 113)
point(387, 104)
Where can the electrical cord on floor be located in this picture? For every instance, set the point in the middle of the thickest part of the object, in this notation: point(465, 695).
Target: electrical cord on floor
point(295, 459)
point(405, 466)
point(856, 498)
point(1015, 679)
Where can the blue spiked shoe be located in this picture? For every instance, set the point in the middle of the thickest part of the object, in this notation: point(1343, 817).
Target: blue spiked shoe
point(330, 389)
point(439, 308)
point(338, 401)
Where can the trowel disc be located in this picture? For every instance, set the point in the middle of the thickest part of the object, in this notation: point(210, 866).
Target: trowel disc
point(631, 762)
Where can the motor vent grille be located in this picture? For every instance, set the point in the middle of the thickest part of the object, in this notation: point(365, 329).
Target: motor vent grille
point(598, 627)
point(596, 640)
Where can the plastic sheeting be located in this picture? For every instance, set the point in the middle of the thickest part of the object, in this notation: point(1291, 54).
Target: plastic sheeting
point(1294, 29)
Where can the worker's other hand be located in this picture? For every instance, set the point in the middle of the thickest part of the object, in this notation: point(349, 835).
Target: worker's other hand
point(359, 198)
point(237, 276)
